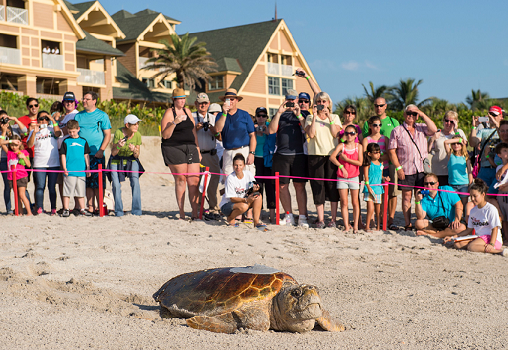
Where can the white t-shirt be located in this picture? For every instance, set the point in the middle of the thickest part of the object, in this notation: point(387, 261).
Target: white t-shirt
point(236, 187)
point(484, 220)
point(63, 122)
point(206, 140)
point(45, 148)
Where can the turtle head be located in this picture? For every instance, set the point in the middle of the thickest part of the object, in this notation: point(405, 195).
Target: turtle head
point(297, 307)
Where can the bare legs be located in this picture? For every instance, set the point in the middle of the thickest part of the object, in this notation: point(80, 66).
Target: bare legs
point(344, 208)
point(240, 208)
point(183, 181)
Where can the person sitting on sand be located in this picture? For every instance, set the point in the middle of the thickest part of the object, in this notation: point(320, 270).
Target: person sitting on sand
point(483, 222)
point(233, 201)
point(438, 204)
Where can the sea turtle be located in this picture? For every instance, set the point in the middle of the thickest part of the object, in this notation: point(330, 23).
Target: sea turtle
point(258, 297)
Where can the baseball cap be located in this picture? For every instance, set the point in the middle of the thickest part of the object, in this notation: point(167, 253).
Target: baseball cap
point(131, 119)
point(304, 95)
point(261, 110)
point(202, 97)
point(291, 94)
point(69, 96)
point(214, 107)
point(496, 110)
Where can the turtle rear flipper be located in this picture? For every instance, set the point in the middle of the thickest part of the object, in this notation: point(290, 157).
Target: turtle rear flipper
point(251, 318)
point(330, 324)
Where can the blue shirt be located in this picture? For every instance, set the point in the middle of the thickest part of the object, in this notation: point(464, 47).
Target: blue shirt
point(375, 178)
point(92, 126)
point(237, 128)
point(434, 208)
point(457, 170)
point(75, 150)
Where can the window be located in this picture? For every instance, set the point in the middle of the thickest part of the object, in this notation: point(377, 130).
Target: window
point(167, 84)
point(286, 85)
point(273, 86)
point(286, 60)
point(272, 112)
point(216, 82)
point(150, 83)
point(272, 57)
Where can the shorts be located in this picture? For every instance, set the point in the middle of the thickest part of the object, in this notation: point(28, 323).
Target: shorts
point(412, 180)
point(23, 182)
point(460, 188)
point(348, 184)
point(377, 198)
point(93, 180)
point(502, 201)
point(74, 186)
point(181, 154)
point(227, 208)
point(393, 190)
point(486, 239)
point(290, 165)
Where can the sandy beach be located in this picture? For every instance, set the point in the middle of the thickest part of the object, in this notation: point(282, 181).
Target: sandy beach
point(75, 283)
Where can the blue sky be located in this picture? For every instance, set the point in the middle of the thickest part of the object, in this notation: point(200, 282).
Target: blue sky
point(454, 46)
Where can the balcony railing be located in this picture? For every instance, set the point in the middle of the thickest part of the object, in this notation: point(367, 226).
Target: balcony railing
point(279, 69)
point(17, 15)
point(2, 13)
point(10, 56)
point(91, 77)
point(52, 61)
point(142, 62)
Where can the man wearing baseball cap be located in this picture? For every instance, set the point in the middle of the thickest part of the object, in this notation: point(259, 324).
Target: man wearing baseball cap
point(487, 138)
point(70, 104)
point(205, 130)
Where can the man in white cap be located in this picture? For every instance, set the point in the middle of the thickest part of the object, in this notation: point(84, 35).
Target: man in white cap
point(205, 130)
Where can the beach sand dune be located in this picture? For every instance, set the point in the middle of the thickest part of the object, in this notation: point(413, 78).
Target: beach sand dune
point(71, 283)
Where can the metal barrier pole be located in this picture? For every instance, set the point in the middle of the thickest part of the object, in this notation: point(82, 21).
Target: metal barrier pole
point(15, 188)
point(277, 197)
point(207, 169)
point(101, 193)
point(385, 206)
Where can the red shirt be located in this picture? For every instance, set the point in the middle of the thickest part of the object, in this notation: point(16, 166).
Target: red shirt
point(26, 121)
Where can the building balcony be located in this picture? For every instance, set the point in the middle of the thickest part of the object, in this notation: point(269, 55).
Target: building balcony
point(92, 77)
point(14, 14)
point(10, 56)
point(280, 69)
point(52, 61)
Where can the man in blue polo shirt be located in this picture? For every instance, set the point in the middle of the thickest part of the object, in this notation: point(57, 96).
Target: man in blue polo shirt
point(435, 204)
point(237, 131)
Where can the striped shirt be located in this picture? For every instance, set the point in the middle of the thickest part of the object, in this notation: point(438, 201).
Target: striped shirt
point(406, 151)
point(382, 146)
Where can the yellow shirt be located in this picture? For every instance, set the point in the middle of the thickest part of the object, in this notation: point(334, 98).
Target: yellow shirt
point(323, 143)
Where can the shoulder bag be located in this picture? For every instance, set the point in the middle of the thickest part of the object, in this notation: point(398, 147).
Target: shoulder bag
point(426, 162)
point(441, 222)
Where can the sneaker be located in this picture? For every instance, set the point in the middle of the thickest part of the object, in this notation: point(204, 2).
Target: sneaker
point(39, 211)
point(302, 222)
point(65, 213)
point(331, 224)
point(53, 212)
point(289, 220)
point(84, 212)
point(320, 224)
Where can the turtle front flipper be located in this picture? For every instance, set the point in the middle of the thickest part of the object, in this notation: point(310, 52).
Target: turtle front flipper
point(330, 324)
point(253, 317)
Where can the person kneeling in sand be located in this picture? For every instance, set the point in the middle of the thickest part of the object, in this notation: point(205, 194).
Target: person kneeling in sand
point(234, 202)
point(483, 223)
point(439, 206)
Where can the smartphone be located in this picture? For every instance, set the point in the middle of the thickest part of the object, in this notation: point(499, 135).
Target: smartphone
point(227, 101)
point(124, 139)
point(290, 104)
point(483, 119)
point(320, 107)
point(43, 126)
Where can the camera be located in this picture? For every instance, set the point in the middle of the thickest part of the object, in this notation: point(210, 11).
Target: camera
point(251, 190)
point(300, 74)
point(206, 126)
point(124, 139)
point(320, 107)
point(260, 128)
point(290, 104)
point(424, 192)
point(483, 119)
point(4, 120)
point(43, 126)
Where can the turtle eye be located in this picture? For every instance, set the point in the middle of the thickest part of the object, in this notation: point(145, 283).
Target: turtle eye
point(296, 293)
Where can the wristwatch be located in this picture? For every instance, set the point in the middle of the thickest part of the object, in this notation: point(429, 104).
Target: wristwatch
point(252, 152)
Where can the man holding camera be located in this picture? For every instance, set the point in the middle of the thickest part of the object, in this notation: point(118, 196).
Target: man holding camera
point(444, 210)
point(290, 158)
point(205, 130)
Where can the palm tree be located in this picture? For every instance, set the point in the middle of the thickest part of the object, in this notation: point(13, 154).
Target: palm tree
point(406, 93)
point(437, 108)
point(477, 100)
point(184, 57)
point(380, 91)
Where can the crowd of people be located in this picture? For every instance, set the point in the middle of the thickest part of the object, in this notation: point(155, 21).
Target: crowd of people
point(303, 141)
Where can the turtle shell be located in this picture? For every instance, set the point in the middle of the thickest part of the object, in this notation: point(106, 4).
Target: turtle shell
point(221, 290)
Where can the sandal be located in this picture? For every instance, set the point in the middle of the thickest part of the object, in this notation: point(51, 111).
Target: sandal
point(409, 227)
point(236, 224)
point(261, 227)
point(393, 227)
point(248, 220)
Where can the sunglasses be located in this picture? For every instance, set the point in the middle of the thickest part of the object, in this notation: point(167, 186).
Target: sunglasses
point(350, 133)
point(449, 121)
point(411, 114)
point(349, 112)
point(32, 106)
point(43, 118)
point(492, 114)
point(379, 106)
point(303, 101)
point(376, 125)
point(262, 116)
point(375, 152)
point(430, 183)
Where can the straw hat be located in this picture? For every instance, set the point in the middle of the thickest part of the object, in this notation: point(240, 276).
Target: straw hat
point(179, 93)
point(231, 93)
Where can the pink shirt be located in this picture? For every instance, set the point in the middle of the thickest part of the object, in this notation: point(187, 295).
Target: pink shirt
point(20, 169)
point(406, 151)
point(382, 146)
point(352, 170)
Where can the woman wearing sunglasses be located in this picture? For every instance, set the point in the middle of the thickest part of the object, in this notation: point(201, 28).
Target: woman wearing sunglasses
point(43, 138)
point(437, 148)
